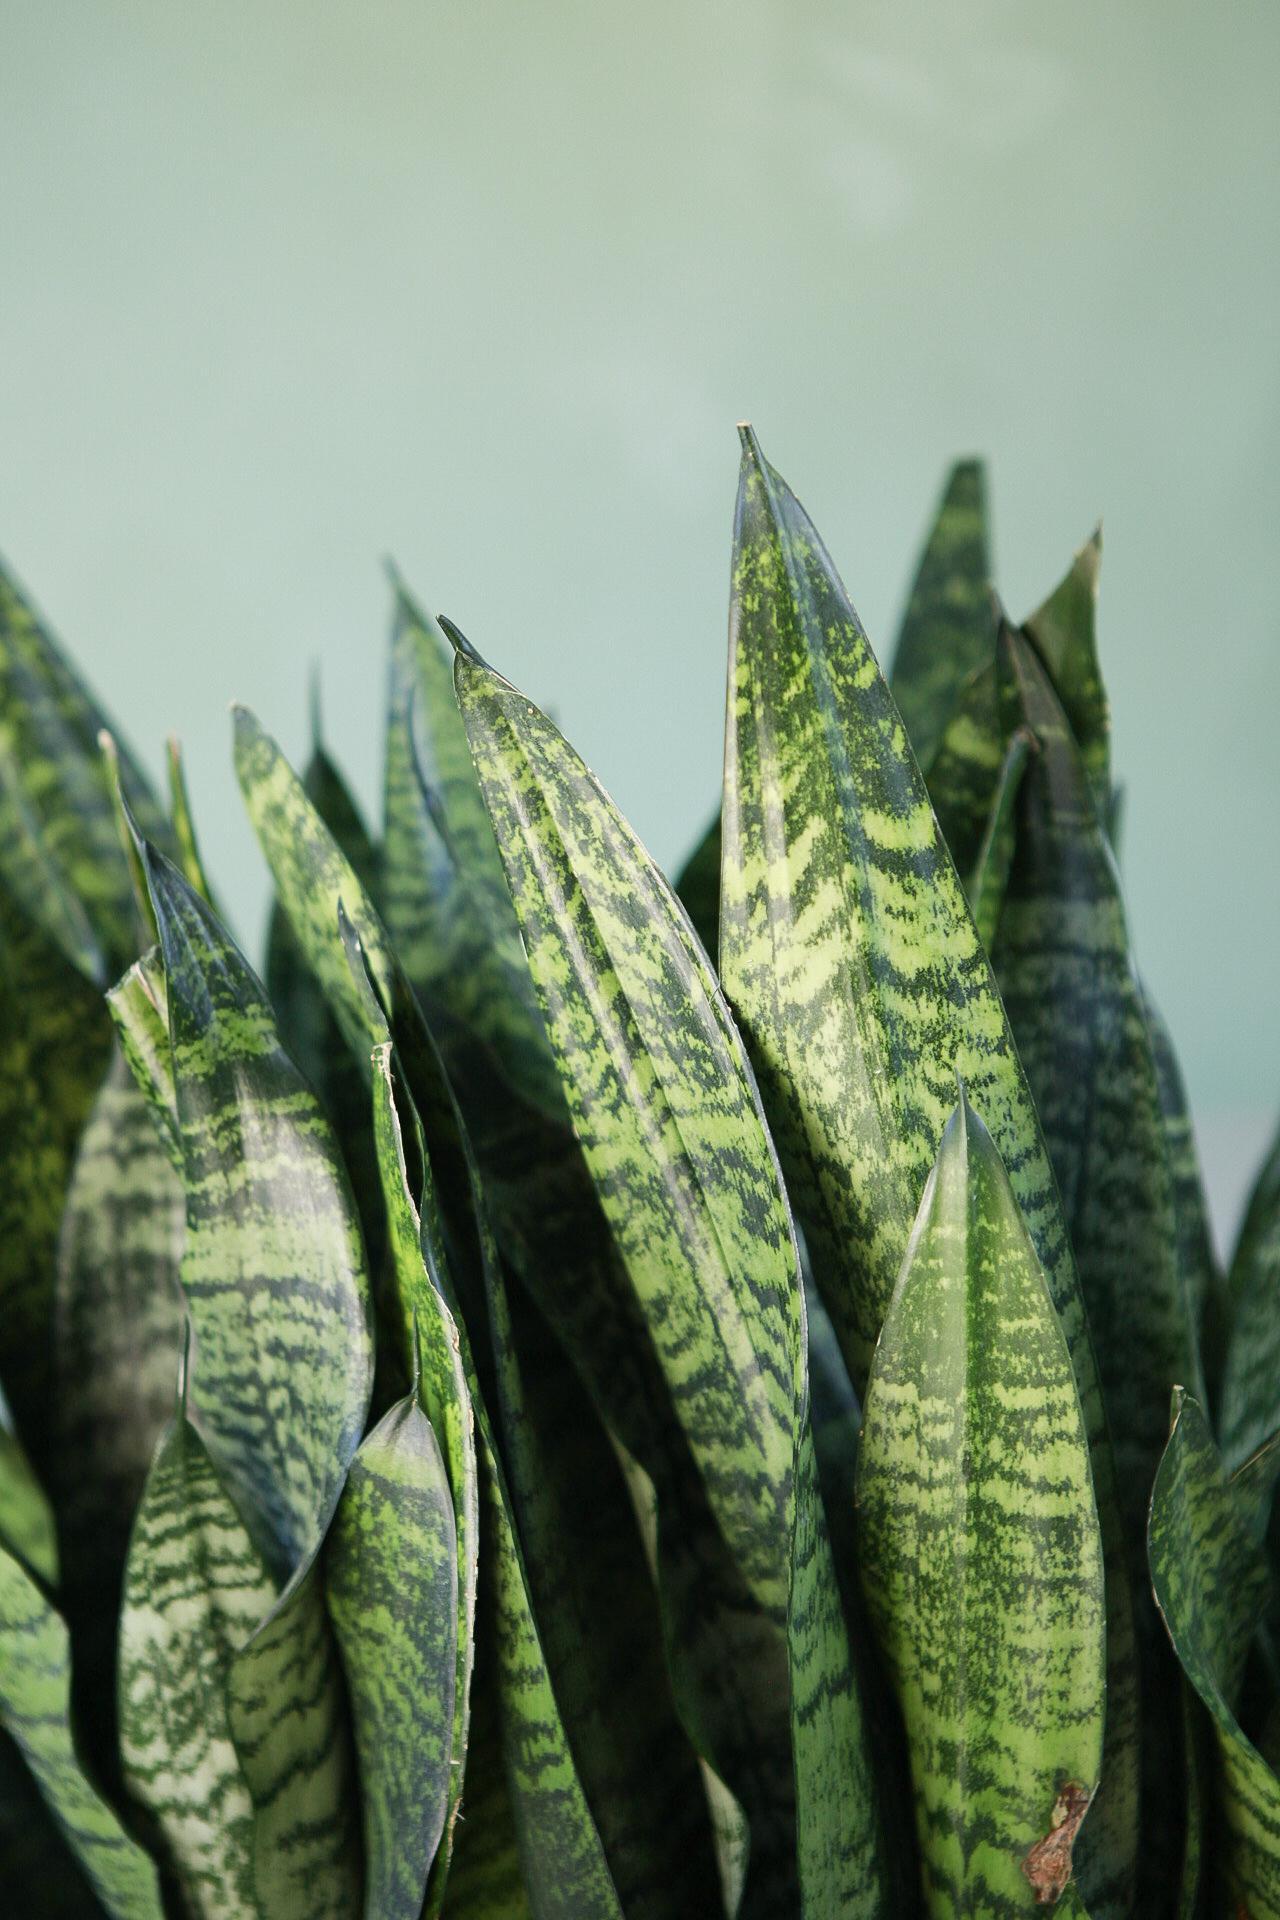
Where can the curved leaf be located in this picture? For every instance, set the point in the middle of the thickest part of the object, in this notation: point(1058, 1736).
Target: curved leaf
point(195, 1589)
point(980, 1548)
point(273, 1271)
point(35, 1710)
point(948, 628)
point(391, 1581)
point(26, 1519)
point(1210, 1585)
point(669, 1123)
point(139, 1006)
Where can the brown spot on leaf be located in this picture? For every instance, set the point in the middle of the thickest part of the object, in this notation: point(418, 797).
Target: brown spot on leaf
point(1048, 1864)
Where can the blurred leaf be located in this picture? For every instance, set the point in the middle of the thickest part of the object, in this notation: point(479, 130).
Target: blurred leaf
point(391, 1568)
point(38, 1870)
point(850, 957)
point(1251, 1373)
point(1210, 1586)
point(35, 1709)
point(948, 629)
point(59, 850)
point(54, 1045)
point(986, 884)
point(26, 1519)
point(980, 1547)
point(666, 1113)
point(195, 1589)
point(1064, 631)
point(273, 1271)
point(118, 1321)
point(1063, 962)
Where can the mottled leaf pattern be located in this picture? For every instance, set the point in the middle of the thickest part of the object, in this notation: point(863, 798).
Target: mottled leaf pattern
point(948, 628)
point(26, 1520)
point(196, 1588)
point(391, 1568)
point(980, 1548)
point(1210, 1585)
point(273, 1271)
point(35, 1711)
point(59, 849)
point(671, 1128)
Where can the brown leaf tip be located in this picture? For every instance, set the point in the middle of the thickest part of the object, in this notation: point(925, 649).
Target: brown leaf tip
point(1048, 1864)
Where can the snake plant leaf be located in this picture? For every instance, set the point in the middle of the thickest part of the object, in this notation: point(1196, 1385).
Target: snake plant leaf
point(947, 630)
point(986, 884)
point(118, 1334)
point(35, 1711)
point(1253, 1486)
point(964, 775)
point(38, 1870)
point(432, 1344)
point(981, 1553)
point(1197, 1261)
point(851, 960)
point(669, 1122)
point(447, 904)
point(139, 1006)
point(273, 1270)
point(1064, 631)
point(1251, 1373)
point(184, 826)
point(27, 1527)
point(55, 1042)
point(58, 839)
point(698, 889)
point(391, 1578)
point(1210, 1584)
point(565, 1866)
point(288, 1719)
point(1063, 962)
point(195, 1590)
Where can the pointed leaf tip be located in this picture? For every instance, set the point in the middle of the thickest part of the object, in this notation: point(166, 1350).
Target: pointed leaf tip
point(458, 640)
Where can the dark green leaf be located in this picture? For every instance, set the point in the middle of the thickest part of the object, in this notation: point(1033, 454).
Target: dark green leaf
point(698, 888)
point(60, 852)
point(980, 1547)
point(1064, 631)
point(1251, 1374)
point(38, 1870)
point(948, 629)
point(1210, 1585)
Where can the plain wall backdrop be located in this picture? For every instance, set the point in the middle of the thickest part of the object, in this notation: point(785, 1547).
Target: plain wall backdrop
point(289, 287)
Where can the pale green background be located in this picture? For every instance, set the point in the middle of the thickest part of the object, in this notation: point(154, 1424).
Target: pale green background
point(288, 286)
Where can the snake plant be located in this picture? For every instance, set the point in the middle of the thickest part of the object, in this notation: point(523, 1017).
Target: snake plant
point(576, 1397)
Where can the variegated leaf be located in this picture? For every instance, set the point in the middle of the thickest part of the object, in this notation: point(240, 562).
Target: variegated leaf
point(670, 1126)
point(195, 1590)
point(35, 1711)
point(391, 1581)
point(1251, 1374)
point(979, 1543)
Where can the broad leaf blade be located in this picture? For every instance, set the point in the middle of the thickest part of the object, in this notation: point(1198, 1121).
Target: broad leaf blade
point(669, 1123)
point(35, 1710)
point(948, 629)
point(980, 1548)
point(391, 1573)
point(196, 1588)
point(1210, 1585)
point(273, 1271)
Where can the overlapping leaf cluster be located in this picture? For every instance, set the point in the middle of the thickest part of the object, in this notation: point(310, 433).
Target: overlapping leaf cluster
point(578, 1400)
